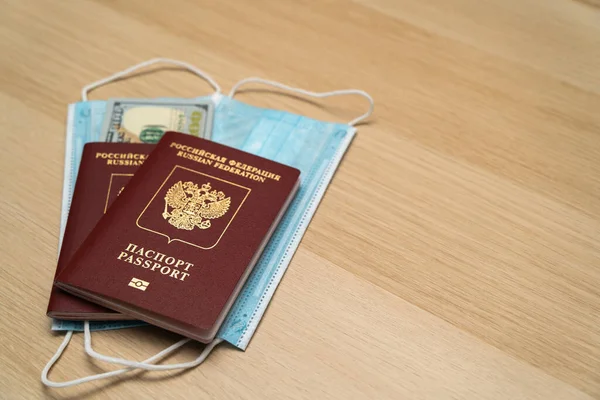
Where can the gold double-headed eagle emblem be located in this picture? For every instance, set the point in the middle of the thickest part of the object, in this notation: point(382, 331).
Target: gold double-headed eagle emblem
point(194, 207)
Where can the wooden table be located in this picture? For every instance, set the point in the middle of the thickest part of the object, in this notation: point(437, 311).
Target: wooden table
point(456, 253)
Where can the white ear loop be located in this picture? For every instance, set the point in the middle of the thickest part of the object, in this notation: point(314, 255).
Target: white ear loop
point(145, 364)
point(319, 95)
point(144, 64)
point(132, 365)
point(90, 378)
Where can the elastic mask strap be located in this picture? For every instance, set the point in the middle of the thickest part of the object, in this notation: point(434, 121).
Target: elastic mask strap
point(144, 364)
point(90, 378)
point(319, 95)
point(144, 64)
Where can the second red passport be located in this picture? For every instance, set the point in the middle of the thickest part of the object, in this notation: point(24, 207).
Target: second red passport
point(178, 243)
point(104, 171)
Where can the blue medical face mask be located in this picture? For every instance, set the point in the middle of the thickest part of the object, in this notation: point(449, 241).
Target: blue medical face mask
point(314, 147)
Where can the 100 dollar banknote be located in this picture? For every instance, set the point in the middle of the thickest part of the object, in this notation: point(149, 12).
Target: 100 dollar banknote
point(147, 120)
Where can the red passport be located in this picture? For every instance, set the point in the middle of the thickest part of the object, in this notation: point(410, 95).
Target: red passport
point(104, 170)
point(179, 242)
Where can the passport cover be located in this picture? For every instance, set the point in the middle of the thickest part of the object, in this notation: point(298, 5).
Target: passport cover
point(178, 243)
point(104, 170)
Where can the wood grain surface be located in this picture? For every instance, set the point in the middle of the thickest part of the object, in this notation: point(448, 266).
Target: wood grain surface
point(456, 254)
